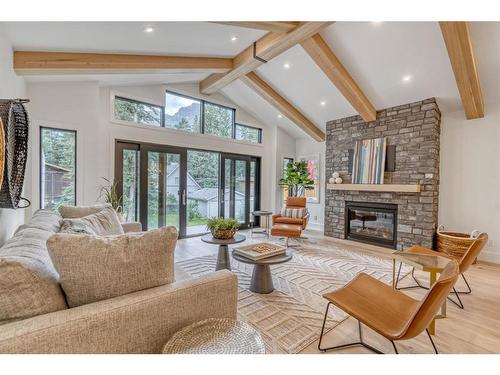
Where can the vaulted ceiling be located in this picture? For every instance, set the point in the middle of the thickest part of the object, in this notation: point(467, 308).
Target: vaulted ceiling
point(391, 62)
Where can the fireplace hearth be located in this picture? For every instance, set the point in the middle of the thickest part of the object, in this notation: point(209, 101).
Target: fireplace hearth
point(374, 223)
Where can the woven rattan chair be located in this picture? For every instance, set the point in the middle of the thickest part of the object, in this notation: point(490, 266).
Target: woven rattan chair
point(463, 263)
point(387, 311)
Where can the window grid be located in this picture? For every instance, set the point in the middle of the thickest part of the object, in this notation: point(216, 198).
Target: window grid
point(202, 115)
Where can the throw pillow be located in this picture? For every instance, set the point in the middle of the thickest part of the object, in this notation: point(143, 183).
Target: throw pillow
point(103, 223)
point(95, 268)
point(295, 213)
point(74, 212)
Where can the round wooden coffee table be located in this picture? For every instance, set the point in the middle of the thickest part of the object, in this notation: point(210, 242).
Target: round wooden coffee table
point(223, 262)
point(262, 280)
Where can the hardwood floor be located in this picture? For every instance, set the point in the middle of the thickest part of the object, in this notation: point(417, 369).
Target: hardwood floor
point(476, 329)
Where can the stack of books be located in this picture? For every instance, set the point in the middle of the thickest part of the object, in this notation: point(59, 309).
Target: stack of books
point(258, 251)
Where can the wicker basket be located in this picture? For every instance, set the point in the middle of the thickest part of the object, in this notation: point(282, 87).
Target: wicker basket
point(2, 152)
point(224, 234)
point(455, 243)
point(16, 127)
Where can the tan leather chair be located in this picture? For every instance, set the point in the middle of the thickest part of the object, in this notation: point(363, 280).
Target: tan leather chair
point(289, 227)
point(387, 311)
point(463, 263)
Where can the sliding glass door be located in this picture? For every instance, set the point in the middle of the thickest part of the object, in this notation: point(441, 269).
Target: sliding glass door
point(163, 185)
point(239, 187)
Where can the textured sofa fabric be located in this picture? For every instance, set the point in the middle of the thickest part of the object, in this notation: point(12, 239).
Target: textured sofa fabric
point(74, 212)
point(103, 223)
point(29, 283)
point(140, 322)
point(95, 268)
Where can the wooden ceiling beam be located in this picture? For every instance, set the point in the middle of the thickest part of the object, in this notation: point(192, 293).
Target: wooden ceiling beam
point(263, 89)
point(265, 49)
point(324, 57)
point(276, 27)
point(459, 45)
point(30, 62)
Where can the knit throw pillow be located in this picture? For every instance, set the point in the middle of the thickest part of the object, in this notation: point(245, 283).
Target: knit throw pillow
point(295, 213)
point(93, 268)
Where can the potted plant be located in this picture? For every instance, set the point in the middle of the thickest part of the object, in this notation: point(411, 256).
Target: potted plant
point(296, 178)
point(109, 193)
point(222, 229)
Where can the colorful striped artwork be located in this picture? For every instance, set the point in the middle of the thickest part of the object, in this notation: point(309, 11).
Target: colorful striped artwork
point(369, 161)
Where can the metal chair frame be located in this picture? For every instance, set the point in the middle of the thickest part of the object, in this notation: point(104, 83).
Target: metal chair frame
point(361, 342)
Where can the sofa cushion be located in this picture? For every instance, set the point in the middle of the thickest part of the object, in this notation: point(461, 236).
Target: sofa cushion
point(102, 223)
point(44, 219)
point(28, 281)
point(296, 213)
point(95, 268)
point(73, 212)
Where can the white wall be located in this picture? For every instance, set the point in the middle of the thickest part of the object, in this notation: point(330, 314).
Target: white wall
point(85, 107)
point(11, 86)
point(309, 147)
point(470, 176)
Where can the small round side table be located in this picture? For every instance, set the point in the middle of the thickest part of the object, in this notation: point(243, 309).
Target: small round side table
point(265, 230)
point(223, 262)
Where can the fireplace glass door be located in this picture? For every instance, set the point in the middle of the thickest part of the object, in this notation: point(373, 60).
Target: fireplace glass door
point(372, 223)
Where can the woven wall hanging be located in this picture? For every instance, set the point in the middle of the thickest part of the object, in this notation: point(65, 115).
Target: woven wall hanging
point(15, 154)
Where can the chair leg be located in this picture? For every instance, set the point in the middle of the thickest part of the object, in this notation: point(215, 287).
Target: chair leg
point(361, 342)
point(394, 346)
point(414, 278)
point(432, 341)
point(469, 290)
point(459, 303)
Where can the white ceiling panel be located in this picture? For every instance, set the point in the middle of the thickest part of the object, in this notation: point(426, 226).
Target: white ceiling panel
point(168, 38)
point(379, 54)
point(305, 85)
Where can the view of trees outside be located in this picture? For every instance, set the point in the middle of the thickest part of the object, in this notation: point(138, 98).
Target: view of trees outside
point(142, 113)
point(218, 120)
point(182, 113)
point(130, 184)
point(58, 157)
point(247, 133)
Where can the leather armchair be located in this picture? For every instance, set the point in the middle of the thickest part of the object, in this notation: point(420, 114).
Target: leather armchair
point(293, 202)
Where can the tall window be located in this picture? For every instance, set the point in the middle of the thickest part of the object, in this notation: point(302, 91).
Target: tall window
point(57, 167)
point(248, 133)
point(182, 112)
point(138, 112)
point(218, 120)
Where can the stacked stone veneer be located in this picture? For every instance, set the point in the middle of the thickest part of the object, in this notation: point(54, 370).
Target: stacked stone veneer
point(414, 129)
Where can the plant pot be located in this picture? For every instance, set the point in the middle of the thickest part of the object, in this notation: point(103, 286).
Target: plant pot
point(224, 234)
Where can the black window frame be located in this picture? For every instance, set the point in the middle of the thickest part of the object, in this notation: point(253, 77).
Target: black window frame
point(202, 116)
point(40, 190)
point(162, 110)
point(259, 130)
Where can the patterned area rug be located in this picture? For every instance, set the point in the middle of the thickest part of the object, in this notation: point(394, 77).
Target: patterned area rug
point(290, 318)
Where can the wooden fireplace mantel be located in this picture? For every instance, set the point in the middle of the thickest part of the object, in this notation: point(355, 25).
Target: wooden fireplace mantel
point(376, 187)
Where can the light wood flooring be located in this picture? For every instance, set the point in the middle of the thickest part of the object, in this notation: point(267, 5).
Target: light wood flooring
point(476, 329)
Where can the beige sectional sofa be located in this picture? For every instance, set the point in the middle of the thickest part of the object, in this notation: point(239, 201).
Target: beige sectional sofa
point(34, 317)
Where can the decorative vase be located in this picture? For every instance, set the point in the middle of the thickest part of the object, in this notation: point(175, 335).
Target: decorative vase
point(331, 180)
point(224, 234)
point(335, 175)
point(338, 180)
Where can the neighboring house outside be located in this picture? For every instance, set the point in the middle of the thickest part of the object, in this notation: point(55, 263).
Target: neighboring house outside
point(54, 183)
point(208, 202)
point(173, 175)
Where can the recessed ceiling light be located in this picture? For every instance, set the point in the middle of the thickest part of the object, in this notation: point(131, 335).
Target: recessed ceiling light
point(149, 29)
point(322, 103)
point(286, 65)
point(234, 38)
point(280, 116)
point(406, 78)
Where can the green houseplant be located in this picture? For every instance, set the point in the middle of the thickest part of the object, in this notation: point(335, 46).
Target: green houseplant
point(296, 179)
point(109, 193)
point(222, 229)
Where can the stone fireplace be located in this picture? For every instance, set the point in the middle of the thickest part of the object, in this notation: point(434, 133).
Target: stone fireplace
point(387, 218)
